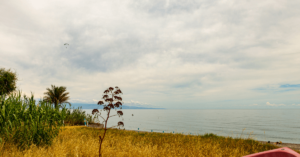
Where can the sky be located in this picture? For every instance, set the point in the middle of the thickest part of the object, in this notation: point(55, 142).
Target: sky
point(173, 54)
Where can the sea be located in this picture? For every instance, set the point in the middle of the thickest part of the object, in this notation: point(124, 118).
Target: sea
point(259, 124)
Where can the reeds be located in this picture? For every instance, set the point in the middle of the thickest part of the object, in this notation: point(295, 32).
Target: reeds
point(23, 123)
point(84, 142)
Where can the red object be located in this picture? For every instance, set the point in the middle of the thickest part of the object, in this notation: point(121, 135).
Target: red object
point(280, 152)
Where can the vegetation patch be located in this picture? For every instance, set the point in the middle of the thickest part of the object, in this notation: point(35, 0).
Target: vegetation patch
point(84, 142)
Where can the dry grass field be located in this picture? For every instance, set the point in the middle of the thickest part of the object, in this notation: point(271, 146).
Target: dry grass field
point(84, 142)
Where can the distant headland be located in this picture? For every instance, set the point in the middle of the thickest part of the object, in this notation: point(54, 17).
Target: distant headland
point(94, 106)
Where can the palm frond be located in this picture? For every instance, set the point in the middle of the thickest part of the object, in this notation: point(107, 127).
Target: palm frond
point(57, 95)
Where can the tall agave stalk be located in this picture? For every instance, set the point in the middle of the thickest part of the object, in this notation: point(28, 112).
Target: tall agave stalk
point(115, 97)
point(23, 123)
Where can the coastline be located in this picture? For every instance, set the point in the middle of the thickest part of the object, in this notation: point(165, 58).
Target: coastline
point(289, 145)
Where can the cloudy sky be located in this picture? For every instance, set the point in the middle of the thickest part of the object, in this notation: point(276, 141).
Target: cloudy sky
point(171, 54)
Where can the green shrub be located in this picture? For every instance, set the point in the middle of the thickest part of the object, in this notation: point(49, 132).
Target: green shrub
point(8, 81)
point(77, 116)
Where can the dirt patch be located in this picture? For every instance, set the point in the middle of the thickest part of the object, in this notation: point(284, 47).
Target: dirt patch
point(289, 145)
point(96, 126)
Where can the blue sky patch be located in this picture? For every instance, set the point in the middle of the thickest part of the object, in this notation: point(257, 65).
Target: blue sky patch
point(290, 86)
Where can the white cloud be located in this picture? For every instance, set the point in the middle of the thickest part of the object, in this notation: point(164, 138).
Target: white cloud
point(136, 103)
point(269, 104)
point(165, 53)
point(82, 101)
point(94, 100)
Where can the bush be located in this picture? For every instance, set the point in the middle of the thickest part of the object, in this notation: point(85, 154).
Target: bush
point(7, 81)
point(77, 116)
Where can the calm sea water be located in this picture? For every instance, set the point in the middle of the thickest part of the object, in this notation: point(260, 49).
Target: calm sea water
point(263, 125)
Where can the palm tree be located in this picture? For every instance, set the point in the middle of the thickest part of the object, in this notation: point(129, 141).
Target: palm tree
point(57, 95)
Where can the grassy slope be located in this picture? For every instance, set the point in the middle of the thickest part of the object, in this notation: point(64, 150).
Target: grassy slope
point(82, 141)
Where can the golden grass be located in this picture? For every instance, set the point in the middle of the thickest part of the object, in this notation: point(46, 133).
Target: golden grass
point(79, 141)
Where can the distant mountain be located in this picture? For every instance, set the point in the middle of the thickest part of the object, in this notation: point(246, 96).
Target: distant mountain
point(94, 106)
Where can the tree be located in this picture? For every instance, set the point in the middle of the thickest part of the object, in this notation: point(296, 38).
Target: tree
point(115, 98)
point(57, 95)
point(7, 81)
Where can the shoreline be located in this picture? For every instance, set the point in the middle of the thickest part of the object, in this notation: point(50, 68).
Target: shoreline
point(289, 145)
